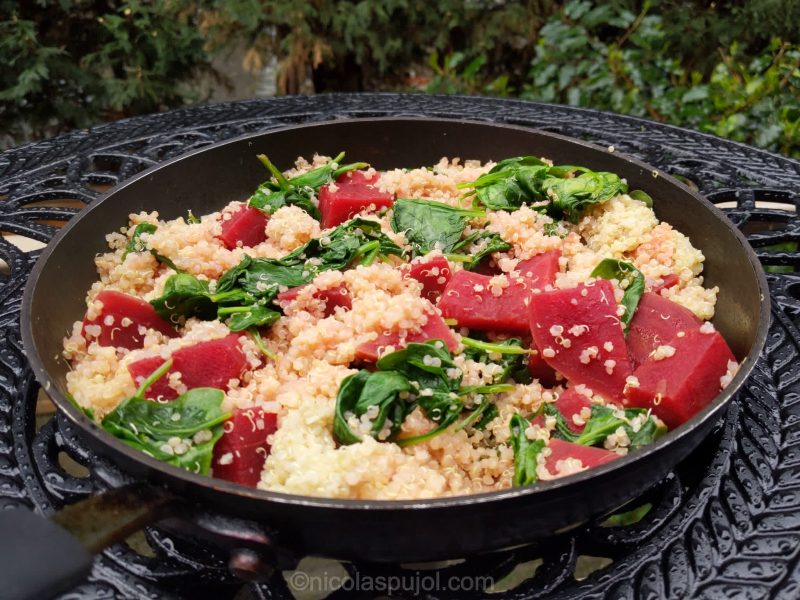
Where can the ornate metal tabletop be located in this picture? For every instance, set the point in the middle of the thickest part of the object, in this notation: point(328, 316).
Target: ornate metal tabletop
point(724, 524)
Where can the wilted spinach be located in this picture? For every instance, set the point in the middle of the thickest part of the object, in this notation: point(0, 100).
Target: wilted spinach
point(561, 193)
point(642, 196)
point(512, 356)
point(243, 292)
point(552, 229)
point(569, 196)
point(430, 225)
point(603, 422)
point(611, 268)
point(487, 242)
point(150, 426)
point(510, 183)
point(351, 243)
point(427, 372)
point(359, 392)
point(526, 452)
point(137, 244)
point(300, 190)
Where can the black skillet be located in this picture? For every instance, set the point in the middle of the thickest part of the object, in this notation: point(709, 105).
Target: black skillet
point(414, 530)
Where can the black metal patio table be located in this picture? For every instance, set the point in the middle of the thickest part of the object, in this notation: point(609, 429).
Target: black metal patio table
point(724, 524)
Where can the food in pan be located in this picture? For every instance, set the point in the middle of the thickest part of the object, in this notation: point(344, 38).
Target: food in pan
point(411, 333)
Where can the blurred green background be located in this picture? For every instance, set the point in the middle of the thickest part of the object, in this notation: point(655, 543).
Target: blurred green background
point(728, 68)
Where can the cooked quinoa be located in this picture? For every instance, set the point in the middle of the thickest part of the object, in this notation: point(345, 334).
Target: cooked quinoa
point(314, 353)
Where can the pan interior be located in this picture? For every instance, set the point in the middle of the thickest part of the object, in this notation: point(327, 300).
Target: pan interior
point(207, 180)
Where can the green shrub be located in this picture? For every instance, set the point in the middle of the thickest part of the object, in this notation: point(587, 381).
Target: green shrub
point(607, 57)
point(731, 68)
point(69, 64)
point(611, 59)
point(368, 44)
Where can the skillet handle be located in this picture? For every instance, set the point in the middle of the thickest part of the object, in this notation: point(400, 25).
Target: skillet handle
point(42, 557)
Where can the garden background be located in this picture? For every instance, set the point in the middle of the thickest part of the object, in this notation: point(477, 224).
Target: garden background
point(728, 68)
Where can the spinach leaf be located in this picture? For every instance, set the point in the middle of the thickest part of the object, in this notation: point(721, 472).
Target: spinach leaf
point(344, 245)
point(420, 375)
point(181, 432)
point(270, 201)
point(604, 421)
point(165, 261)
point(647, 434)
point(488, 412)
point(562, 430)
point(528, 180)
point(569, 196)
point(642, 196)
point(486, 243)
point(485, 413)
point(430, 225)
point(611, 268)
point(428, 364)
point(512, 356)
point(359, 392)
point(186, 296)
point(256, 337)
point(300, 190)
point(136, 244)
point(243, 291)
point(518, 161)
point(248, 317)
point(510, 183)
point(552, 229)
point(440, 407)
point(435, 380)
point(526, 452)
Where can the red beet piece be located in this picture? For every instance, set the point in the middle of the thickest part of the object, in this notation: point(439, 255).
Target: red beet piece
point(118, 309)
point(433, 274)
point(656, 322)
point(588, 455)
point(578, 333)
point(486, 268)
point(240, 453)
point(354, 192)
point(469, 300)
point(207, 364)
point(333, 298)
point(680, 386)
point(668, 281)
point(434, 329)
point(540, 370)
point(571, 403)
point(247, 225)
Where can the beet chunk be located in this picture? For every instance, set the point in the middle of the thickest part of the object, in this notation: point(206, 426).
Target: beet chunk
point(655, 322)
point(433, 274)
point(434, 329)
point(354, 192)
point(240, 453)
point(579, 335)
point(588, 455)
point(120, 320)
point(333, 298)
point(246, 225)
point(679, 386)
point(468, 297)
point(207, 364)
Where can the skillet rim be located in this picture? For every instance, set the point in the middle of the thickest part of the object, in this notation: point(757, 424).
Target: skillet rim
point(88, 427)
